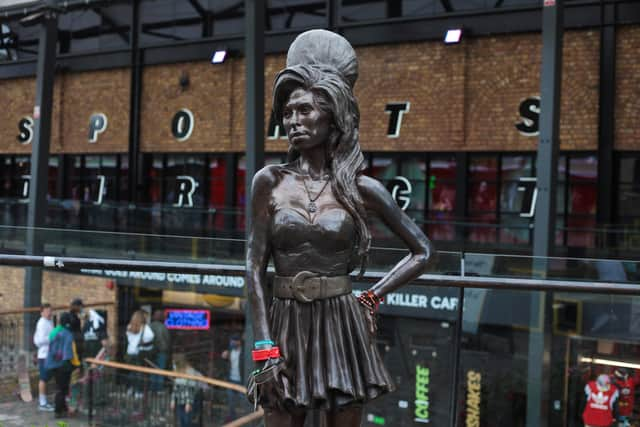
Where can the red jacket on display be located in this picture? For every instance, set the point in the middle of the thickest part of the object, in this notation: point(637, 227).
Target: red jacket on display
point(599, 409)
point(626, 389)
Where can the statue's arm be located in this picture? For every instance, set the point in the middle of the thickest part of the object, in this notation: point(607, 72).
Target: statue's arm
point(378, 200)
point(258, 250)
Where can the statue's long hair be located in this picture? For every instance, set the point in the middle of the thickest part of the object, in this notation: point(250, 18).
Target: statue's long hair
point(334, 96)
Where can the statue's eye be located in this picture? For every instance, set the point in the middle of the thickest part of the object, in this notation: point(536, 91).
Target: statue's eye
point(286, 113)
point(305, 109)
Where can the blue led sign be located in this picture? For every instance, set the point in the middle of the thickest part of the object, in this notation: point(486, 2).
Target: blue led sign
point(187, 319)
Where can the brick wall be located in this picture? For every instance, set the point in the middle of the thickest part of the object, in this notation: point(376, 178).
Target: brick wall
point(504, 71)
point(208, 97)
point(76, 97)
point(17, 97)
point(83, 94)
point(462, 97)
point(627, 108)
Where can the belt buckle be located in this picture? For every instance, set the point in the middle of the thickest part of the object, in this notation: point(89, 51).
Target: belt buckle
point(297, 286)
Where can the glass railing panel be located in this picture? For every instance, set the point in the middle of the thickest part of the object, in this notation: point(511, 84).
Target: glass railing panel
point(527, 267)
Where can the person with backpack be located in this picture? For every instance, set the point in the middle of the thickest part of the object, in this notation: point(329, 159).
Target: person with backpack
point(62, 359)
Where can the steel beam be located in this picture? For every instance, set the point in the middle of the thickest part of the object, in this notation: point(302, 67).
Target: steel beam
point(548, 143)
point(134, 102)
point(112, 24)
point(538, 371)
point(606, 119)
point(254, 116)
point(42, 114)
point(333, 14)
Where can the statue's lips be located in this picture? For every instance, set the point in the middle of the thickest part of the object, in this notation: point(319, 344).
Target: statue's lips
point(296, 135)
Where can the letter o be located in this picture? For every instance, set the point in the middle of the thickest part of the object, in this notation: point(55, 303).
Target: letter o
point(182, 124)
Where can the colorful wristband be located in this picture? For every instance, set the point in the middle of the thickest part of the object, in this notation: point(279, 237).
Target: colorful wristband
point(267, 353)
point(263, 344)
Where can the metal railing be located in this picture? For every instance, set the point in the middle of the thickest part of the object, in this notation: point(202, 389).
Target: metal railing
point(118, 394)
point(537, 278)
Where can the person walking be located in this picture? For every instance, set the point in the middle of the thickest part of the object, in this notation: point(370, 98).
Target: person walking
point(234, 355)
point(62, 359)
point(41, 341)
point(183, 397)
point(139, 344)
point(161, 346)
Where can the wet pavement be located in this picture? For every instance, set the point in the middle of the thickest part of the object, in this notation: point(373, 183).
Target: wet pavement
point(22, 414)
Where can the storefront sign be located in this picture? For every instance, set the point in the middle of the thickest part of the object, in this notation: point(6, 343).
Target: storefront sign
point(401, 189)
point(188, 185)
point(275, 131)
point(97, 124)
point(182, 124)
point(419, 301)
point(211, 283)
point(187, 319)
point(474, 398)
point(528, 186)
point(25, 126)
point(26, 181)
point(529, 117)
point(421, 412)
point(396, 110)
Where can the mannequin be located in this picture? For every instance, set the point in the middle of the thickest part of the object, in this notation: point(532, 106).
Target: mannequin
point(601, 397)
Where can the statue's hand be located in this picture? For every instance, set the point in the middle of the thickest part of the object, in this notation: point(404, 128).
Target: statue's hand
point(265, 385)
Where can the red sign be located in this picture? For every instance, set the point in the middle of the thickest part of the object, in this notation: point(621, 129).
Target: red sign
point(549, 3)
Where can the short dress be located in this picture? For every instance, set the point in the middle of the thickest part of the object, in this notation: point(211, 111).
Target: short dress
point(330, 357)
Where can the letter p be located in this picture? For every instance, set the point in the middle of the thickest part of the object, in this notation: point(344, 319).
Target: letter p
point(97, 125)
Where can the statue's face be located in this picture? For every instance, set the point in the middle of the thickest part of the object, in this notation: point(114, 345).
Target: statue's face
point(305, 124)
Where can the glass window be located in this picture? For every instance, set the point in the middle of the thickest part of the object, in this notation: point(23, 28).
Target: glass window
point(414, 170)
point(629, 170)
point(483, 168)
point(482, 196)
point(628, 200)
point(583, 168)
point(442, 197)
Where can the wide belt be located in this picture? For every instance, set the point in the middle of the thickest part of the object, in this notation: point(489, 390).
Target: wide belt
point(307, 287)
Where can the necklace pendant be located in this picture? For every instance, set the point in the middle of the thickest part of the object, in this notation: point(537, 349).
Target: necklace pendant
point(311, 207)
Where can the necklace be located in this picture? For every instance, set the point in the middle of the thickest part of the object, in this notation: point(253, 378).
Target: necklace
point(312, 207)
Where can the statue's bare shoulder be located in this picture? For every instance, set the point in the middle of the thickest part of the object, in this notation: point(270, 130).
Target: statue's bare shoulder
point(372, 191)
point(269, 176)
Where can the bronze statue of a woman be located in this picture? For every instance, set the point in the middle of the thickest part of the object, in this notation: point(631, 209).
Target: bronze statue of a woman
point(309, 216)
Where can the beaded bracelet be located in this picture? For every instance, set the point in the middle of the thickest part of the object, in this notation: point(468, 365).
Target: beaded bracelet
point(371, 300)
